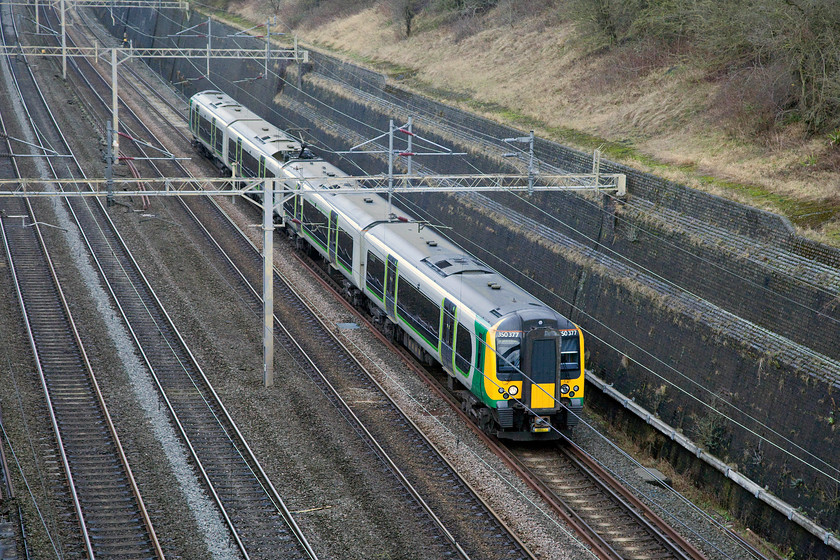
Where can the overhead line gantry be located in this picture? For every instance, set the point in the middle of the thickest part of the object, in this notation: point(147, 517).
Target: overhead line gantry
point(270, 188)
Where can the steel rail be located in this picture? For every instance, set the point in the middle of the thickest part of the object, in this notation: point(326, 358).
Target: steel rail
point(264, 481)
point(360, 424)
point(89, 369)
point(5, 474)
point(678, 545)
point(380, 450)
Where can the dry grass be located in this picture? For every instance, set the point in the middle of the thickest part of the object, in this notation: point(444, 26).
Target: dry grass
point(517, 68)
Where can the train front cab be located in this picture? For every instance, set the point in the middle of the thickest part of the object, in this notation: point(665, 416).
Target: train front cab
point(536, 379)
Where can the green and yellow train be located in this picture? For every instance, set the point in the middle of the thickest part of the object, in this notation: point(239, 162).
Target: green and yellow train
point(516, 363)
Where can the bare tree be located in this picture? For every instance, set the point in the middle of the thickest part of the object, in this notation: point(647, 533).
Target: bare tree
point(404, 12)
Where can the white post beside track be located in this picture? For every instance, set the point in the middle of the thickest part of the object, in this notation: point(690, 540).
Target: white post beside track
point(63, 44)
point(209, 39)
point(115, 124)
point(268, 282)
point(390, 165)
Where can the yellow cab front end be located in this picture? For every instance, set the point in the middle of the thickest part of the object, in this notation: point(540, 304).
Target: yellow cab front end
point(534, 375)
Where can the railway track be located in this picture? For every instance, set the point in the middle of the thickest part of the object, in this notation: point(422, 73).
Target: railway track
point(112, 519)
point(108, 507)
point(259, 522)
point(484, 528)
point(625, 527)
point(461, 503)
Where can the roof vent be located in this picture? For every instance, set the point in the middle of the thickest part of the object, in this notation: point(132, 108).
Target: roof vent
point(368, 200)
point(494, 286)
point(431, 243)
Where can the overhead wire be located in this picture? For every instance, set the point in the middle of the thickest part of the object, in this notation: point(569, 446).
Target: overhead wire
point(477, 132)
point(369, 126)
point(710, 406)
point(718, 396)
point(664, 509)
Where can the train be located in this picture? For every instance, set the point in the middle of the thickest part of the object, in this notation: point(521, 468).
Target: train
point(516, 364)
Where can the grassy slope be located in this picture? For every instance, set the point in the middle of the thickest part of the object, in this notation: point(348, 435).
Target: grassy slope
point(655, 114)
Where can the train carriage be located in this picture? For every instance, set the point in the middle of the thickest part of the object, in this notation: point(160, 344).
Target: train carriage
point(518, 363)
point(211, 115)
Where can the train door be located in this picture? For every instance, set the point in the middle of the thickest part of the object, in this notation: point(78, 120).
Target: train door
point(213, 132)
point(236, 158)
point(447, 335)
point(194, 118)
point(391, 287)
point(539, 360)
point(333, 236)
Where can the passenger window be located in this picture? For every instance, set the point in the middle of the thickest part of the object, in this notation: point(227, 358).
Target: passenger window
point(315, 222)
point(375, 275)
point(204, 128)
point(219, 139)
point(250, 165)
point(421, 313)
point(345, 249)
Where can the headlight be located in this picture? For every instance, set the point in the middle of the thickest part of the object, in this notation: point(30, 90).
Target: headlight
point(576, 388)
point(513, 390)
point(564, 388)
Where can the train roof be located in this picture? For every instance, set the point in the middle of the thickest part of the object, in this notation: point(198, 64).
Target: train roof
point(224, 107)
point(465, 278)
point(266, 137)
point(416, 243)
point(361, 208)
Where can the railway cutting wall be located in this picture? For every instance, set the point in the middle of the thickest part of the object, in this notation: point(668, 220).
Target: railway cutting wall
point(692, 303)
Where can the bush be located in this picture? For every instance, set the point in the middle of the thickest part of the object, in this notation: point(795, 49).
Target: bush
point(754, 100)
point(312, 13)
point(464, 8)
point(790, 46)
